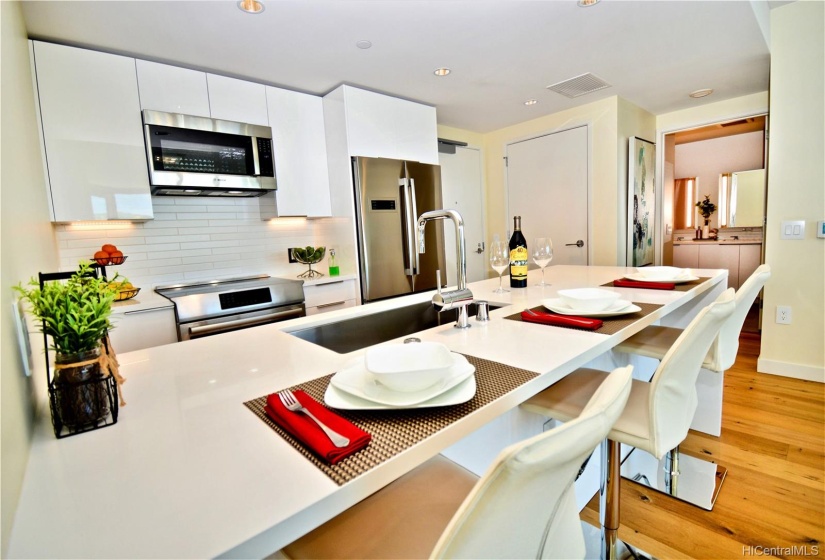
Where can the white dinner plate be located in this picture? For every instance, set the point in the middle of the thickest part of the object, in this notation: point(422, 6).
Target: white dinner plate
point(678, 280)
point(355, 379)
point(461, 393)
point(620, 307)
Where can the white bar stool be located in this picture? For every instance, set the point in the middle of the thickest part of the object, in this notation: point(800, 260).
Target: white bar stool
point(523, 507)
point(701, 483)
point(657, 416)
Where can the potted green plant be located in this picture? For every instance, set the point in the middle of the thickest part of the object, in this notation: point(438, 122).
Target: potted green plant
point(75, 314)
point(706, 208)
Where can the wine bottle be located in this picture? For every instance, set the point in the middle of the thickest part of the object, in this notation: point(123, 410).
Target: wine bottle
point(518, 256)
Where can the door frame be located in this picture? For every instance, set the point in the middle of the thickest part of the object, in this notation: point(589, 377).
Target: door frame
point(483, 195)
point(588, 124)
point(660, 166)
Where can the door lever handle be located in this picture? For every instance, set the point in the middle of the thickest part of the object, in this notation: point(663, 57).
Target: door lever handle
point(578, 243)
point(480, 248)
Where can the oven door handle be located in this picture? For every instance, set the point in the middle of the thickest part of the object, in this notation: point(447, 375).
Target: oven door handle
point(231, 325)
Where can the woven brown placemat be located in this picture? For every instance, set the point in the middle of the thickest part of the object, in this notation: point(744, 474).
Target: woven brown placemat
point(683, 287)
point(611, 325)
point(395, 430)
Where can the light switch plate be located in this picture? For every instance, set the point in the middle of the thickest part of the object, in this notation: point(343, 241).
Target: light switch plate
point(792, 229)
point(820, 229)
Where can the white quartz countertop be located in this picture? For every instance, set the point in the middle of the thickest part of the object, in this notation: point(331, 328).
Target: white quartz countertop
point(718, 242)
point(146, 299)
point(189, 472)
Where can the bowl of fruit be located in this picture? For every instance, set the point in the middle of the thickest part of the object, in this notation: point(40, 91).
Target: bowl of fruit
point(123, 289)
point(309, 255)
point(108, 254)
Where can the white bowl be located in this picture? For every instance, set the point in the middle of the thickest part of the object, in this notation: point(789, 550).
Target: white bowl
point(409, 367)
point(662, 272)
point(589, 299)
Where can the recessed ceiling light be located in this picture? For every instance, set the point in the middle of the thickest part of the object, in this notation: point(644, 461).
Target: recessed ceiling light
point(701, 93)
point(363, 44)
point(587, 3)
point(531, 102)
point(251, 6)
point(441, 71)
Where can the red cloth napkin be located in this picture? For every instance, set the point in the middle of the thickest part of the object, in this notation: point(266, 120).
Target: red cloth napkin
point(561, 320)
point(305, 430)
point(622, 283)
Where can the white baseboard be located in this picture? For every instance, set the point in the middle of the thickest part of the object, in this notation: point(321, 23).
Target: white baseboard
point(787, 369)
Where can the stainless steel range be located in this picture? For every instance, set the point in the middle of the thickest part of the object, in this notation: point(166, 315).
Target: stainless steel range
point(219, 306)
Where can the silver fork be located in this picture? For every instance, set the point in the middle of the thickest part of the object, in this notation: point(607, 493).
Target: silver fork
point(291, 403)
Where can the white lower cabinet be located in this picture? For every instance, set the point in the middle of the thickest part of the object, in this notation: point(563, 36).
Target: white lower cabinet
point(329, 296)
point(143, 328)
point(740, 260)
point(686, 256)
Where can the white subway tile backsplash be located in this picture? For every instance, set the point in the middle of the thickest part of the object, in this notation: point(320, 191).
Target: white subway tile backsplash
point(206, 238)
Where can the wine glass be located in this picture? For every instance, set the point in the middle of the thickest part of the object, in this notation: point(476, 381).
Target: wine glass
point(499, 260)
point(542, 255)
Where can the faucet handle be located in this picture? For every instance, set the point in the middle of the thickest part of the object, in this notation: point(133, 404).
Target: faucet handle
point(438, 280)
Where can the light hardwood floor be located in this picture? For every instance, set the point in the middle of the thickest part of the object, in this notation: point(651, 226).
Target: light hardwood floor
point(773, 444)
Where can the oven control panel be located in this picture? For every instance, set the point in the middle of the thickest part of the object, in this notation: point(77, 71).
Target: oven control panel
point(233, 300)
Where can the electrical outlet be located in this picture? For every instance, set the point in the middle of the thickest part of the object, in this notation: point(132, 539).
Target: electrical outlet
point(783, 314)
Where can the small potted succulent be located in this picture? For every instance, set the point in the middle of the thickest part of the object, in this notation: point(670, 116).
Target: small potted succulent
point(75, 314)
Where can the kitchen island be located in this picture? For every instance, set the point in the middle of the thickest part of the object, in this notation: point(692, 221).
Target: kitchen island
point(189, 472)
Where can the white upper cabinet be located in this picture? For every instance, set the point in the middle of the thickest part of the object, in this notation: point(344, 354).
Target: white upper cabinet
point(299, 144)
point(383, 126)
point(236, 100)
point(92, 133)
point(172, 89)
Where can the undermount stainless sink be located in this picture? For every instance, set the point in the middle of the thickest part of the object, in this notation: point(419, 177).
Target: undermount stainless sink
point(359, 332)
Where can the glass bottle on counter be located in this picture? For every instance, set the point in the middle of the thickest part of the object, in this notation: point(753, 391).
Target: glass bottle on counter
point(518, 256)
point(334, 269)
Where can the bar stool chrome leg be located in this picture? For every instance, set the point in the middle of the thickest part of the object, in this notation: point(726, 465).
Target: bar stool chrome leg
point(609, 493)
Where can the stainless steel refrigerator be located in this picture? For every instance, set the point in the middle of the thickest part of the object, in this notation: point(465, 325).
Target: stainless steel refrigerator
point(389, 196)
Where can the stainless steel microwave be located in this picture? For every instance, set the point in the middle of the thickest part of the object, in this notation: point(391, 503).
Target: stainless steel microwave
point(198, 156)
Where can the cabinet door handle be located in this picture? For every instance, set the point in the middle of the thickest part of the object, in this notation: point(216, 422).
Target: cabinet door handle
point(330, 304)
point(578, 243)
point(137, 311)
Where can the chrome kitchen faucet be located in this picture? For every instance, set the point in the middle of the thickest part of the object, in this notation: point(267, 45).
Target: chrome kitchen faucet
point(461, 297)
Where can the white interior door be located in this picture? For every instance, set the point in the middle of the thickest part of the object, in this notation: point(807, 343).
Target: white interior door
point(461, 190)
point(547, 187)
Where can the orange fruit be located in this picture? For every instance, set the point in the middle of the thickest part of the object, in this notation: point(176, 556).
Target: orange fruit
point(116, 257)
point(101, 258)
point(109, 248)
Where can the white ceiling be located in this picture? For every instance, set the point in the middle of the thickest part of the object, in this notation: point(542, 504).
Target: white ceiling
point(501, 52)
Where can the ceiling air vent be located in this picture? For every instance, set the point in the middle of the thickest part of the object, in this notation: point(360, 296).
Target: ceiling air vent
point(580, 85)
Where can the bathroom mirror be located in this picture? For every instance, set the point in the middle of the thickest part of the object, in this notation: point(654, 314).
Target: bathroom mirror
point(742, 198)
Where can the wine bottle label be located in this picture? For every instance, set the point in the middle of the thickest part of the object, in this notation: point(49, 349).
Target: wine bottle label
point(518, 263)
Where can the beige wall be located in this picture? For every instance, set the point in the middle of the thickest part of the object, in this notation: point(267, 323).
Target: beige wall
point(796, 175)
point(26, 247)
point(632, 121)
point(707, 159)
point(601, 116)
point(612, 121)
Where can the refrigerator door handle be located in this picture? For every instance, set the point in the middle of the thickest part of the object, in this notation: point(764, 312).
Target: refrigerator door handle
point(410, 252)
point(414, 227)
